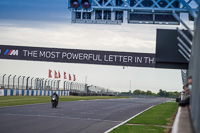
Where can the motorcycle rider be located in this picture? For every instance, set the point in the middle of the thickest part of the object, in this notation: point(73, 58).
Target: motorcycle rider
point(57, 97)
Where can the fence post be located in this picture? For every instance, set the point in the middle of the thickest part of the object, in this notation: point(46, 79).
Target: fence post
point(58, 84)
point(23, 82)
point(8, 80)
point(67, 86)
point(27, 83)
point(3, 79)
point(42, 83)
point(76, 86)
point(82, 87)
point(32, 82)
point(36, 83)
point(54, 84)
point(72, 86)
point(18, 81)
point(79, 87)
point(45, 84)
point(48, 84)
point(51, 84)
point(64, 85)
point(14, 81)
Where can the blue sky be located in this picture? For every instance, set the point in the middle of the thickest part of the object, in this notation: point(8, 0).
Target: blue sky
point(45, 10)
point(46, 23)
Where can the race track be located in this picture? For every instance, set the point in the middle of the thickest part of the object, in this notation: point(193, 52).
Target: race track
point(94, 116)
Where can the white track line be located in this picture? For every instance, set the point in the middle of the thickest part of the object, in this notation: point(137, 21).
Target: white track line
point(64, 117)
point(175, 125)
point(109, 130)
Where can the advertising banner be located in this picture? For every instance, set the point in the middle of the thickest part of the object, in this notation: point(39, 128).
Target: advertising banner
point(77, 56)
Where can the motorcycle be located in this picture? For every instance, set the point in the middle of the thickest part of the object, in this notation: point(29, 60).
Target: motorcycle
point(54, 101)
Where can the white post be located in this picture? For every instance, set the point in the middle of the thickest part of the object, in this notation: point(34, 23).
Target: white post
point(113, 15)
point(125, 17)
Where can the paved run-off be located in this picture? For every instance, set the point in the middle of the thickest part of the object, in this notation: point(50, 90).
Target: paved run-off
point(75, 116)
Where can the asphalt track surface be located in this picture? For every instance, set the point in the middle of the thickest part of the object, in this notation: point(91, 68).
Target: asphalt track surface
point(94, 116)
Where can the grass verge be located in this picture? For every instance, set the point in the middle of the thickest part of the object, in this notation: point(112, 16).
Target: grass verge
point(23, 100)
point(138, 129)
point(156, 119)
point(158, 115)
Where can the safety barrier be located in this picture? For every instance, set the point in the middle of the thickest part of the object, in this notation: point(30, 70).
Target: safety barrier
point(16, 92)
point(21, 85)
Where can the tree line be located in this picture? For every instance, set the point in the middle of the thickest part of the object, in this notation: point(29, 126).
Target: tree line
point(161, 93)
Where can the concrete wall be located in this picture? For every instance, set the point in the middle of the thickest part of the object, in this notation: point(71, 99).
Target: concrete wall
point(194, 71)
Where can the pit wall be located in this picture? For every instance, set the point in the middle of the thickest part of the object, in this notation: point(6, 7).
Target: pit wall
point(15, 92)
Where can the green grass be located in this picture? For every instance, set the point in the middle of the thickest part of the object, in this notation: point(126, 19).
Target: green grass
point(158, 115)
point(161, 114)
point(23, 100)
point(138, 129)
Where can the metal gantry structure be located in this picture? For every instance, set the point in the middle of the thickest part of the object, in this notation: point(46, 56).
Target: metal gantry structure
point(32, 83)
point(131, 11)
point(139, 12)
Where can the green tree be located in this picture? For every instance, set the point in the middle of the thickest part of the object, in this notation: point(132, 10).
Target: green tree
point(148, 92)
point(137, 92)
point(161, 93)
point(154, 94)
point(143, 93)
point(166, 94)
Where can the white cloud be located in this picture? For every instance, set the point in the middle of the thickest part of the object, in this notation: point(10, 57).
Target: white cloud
point(79, 36)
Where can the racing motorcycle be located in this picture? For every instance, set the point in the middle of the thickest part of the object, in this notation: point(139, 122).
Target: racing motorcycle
point(54, 101)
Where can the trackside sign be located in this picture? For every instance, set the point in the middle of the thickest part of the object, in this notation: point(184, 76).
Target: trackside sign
point(77, 56)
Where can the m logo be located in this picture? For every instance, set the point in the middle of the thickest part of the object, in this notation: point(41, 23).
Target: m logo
point(11, 52)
